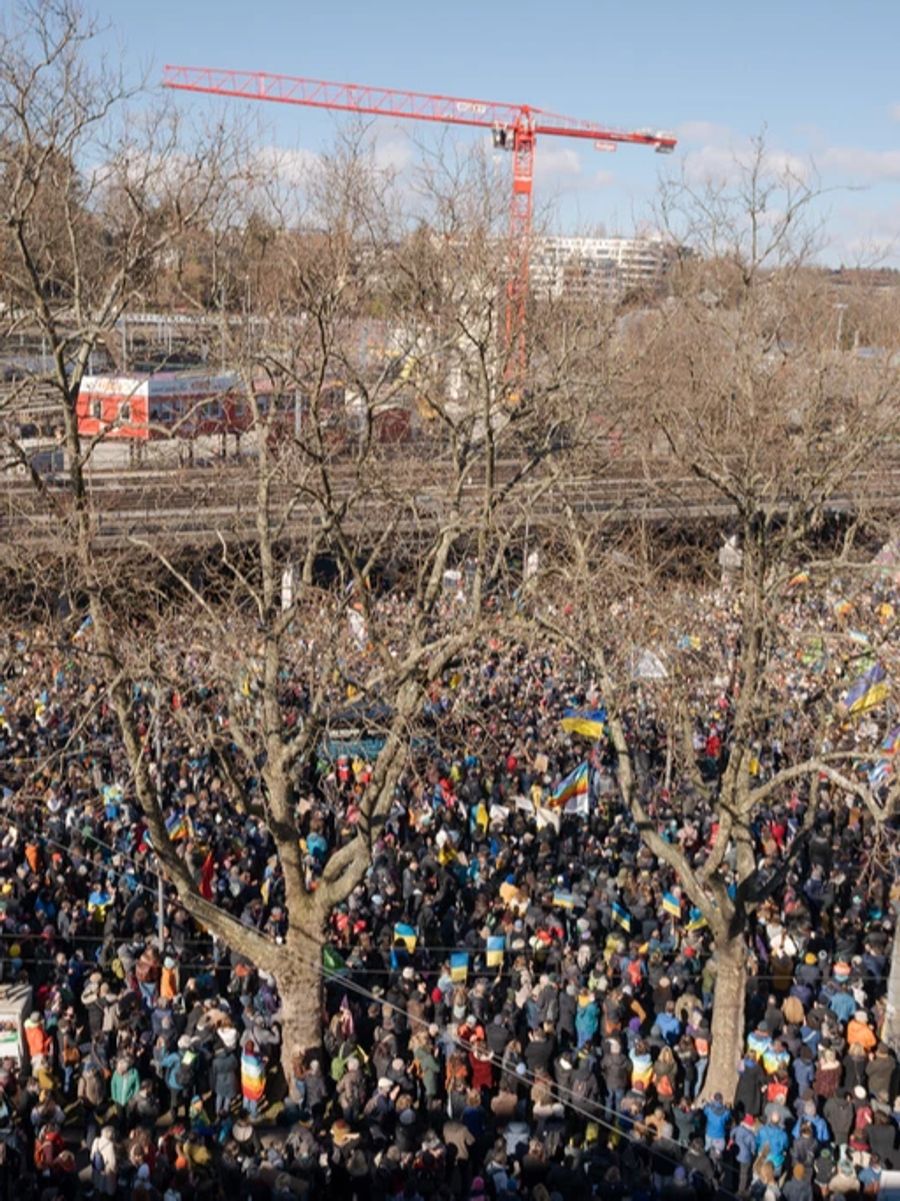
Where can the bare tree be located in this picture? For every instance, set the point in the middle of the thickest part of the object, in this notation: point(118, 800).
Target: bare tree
point(758, 422)
point(364, 319)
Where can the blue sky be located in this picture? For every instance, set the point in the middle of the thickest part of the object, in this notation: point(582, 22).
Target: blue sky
point(820, 76)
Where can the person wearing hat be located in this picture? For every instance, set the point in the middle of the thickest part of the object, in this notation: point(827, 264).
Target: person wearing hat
point(743, 1140)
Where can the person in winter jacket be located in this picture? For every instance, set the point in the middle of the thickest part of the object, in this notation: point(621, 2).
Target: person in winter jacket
point(743, 1139)
point(123, 1085)
point(839, 1114)
point(772, 1143)
point(223, 1079)
point(718, 1116)
point(616, 1069)
point(587, 1019)
point(37, 1040)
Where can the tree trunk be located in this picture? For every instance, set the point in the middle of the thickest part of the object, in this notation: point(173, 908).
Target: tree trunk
point(300, 989)
point(729, 997)
point(891, 1033)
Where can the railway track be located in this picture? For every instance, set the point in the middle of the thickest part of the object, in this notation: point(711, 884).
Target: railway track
point(201, 505)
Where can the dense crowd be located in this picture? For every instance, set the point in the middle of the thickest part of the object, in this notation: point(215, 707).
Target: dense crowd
point(519, 997)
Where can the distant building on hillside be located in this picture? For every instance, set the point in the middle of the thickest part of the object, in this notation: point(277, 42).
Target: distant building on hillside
point(606, 268)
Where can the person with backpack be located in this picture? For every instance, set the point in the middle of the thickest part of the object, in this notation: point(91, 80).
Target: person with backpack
point(104, 1163)
point(176, 1070)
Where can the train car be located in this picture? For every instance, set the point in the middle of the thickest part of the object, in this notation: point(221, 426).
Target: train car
point(164, 404)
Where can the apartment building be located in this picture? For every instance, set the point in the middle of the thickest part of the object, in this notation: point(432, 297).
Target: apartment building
point(602, 267)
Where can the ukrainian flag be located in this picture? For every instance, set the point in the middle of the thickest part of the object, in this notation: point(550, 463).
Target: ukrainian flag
point(407, 935)
point(564, 900)
point(576, 783)
point(622, 916)
point(697, 922)
point(459, 967)
point(591, 723)
point(868, 691)
point(496, 946)
point(671, 904)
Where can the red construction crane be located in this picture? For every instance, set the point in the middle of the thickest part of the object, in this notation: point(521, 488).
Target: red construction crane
point(515, 127)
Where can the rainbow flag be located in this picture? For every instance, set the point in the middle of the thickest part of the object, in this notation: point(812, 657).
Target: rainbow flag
point(591, 723)
point(407, 935)
point(671, 904)
point(177, 827)
point(253, 1078)
point(868, 691)
point(496, 946)
point(622, 916)
point(459, 967)
point(576, 784)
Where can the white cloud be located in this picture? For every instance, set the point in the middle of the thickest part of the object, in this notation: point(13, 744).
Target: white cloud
point(556, 163)
point(859, 164)
point(392, 148)
point(280, 165)
point(727, 162)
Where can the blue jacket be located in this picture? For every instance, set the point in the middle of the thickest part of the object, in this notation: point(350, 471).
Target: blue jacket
point(777, 1141)
point(717, 1117)
point(819, 1128)
point(744, 1140)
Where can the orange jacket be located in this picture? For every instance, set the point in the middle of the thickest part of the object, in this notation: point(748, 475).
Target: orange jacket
point(168, 982)
point(860, 1032)
point(36, 1038)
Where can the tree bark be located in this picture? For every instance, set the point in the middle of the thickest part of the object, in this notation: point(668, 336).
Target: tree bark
point(300, 989)
point(729, 999)
point(892, 1018)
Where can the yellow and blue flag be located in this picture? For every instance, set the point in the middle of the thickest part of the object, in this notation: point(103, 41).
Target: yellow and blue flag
point(496, 946)
point(591, 723)
point(622, 916)
point(459, 967)
point(868, 691)
point(697, 922)
point(564, 900)
point(407, 935)
point(576, 784)
point(671, 904)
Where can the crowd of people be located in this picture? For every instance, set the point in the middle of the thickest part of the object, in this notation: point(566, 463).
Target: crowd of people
point(519, 997)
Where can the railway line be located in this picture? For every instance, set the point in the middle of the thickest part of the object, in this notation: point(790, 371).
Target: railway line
point(202, 504)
